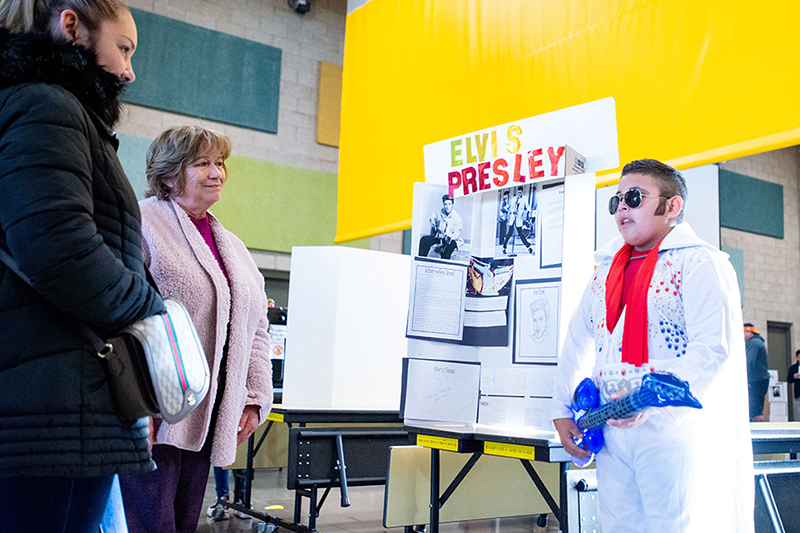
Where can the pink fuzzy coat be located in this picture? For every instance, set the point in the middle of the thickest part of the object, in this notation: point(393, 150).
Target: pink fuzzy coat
point(185, 269)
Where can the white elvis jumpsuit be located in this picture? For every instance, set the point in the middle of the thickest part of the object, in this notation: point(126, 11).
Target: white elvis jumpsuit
point(682, 470)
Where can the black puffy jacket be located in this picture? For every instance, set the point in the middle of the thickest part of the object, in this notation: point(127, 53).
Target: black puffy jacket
point(69, 219)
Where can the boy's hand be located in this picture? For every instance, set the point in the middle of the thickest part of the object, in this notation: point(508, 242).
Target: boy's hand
point(626, 423)
point(567, 428)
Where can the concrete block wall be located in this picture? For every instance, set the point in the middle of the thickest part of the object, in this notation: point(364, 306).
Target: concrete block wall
point(771, 266)
point(304, 40)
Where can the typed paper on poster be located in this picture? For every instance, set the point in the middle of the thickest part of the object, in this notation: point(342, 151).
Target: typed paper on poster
point(436, 305)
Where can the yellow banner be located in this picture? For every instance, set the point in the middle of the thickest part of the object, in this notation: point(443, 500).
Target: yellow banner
point(693, 82)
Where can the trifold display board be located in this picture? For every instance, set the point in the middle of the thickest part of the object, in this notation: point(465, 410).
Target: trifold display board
point(502, 244)
point(345, 338)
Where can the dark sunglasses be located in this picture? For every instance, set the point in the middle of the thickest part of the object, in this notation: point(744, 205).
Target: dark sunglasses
point(632, 197)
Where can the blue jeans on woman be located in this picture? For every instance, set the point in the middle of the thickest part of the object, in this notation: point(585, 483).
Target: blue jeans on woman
point(54, 503)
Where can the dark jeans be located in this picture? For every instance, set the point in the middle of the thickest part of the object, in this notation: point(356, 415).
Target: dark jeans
point(520, 233)
point(757, 391)
point(221, 483)
point(170, 498)
point(53, 503)
point(426, 242)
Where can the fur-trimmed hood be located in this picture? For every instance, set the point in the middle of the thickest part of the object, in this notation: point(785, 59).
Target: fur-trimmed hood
point(37, 58)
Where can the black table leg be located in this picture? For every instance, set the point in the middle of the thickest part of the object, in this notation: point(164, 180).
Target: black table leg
point(345, 497)
point(435, 457)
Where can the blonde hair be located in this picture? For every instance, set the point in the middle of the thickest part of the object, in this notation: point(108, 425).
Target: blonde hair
point(41, 15)
point(173, 150)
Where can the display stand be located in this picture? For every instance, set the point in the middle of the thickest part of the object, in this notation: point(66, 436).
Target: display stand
point(777, 482)
point(485, 333)
point(345, 343)
point(366, 448)
point(438, 438)
point(337, 457)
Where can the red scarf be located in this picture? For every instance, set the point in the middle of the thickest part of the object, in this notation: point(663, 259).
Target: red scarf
point(634, 336)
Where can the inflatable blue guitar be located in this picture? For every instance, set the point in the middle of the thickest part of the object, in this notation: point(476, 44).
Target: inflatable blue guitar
point(658, 389)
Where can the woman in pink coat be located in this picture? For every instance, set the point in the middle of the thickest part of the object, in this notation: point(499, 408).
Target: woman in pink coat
point(196, 261)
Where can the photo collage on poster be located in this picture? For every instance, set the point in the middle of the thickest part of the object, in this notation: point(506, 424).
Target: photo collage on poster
point(501, 244)
point(485, 290)
point(473, 256)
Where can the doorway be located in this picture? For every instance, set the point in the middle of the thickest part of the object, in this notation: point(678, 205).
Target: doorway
point(779, 355)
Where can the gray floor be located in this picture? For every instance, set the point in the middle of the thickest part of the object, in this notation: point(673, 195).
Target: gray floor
point(364, 515)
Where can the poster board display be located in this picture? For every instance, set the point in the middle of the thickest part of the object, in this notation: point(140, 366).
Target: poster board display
point(520, 246)
point(345, 335)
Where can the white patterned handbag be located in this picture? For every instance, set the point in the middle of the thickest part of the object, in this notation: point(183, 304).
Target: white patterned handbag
point(157, 365)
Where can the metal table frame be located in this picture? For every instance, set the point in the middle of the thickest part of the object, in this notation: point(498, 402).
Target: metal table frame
point(302, 416)
point(527, 449)
point(768, 438)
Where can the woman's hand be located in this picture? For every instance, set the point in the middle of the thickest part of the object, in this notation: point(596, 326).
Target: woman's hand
point(626, 423)
point(248, 423)
point(567, 428)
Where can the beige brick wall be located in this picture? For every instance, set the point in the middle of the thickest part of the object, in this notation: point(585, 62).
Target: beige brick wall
point(304, 40)
point(772, 266)
point(390, 242)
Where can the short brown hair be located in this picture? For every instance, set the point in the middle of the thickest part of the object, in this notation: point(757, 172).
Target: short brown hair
point(173, 150)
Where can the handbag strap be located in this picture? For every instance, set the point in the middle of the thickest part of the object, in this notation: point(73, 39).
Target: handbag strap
point(102, 347)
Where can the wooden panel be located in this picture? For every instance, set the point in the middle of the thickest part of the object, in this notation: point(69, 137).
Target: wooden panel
point(273, 452)
point(330, 103)
point(495, 487)
point(202, 73)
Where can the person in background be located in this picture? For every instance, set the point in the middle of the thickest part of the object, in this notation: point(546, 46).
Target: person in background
point(196, 261)
point(757, 371)
point(217, 511)
point(794, 377)
point(70, 233)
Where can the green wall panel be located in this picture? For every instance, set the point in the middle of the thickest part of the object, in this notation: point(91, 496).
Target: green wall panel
point(202, 73)
point(132, 154)
point(268, 206)
point(737, 260)
point(749, 204)
point(275, 207)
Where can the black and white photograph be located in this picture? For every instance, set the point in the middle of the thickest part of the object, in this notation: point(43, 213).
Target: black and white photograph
point(515, 234)
point(445, 224)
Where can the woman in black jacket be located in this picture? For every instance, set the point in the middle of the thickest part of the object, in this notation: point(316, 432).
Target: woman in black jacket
point(70, 223)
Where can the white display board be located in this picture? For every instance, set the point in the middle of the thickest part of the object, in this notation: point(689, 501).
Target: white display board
point(346, 328)
point(590, 129)
point(523, 238)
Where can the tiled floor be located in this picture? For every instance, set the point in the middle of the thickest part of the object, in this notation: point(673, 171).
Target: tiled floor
point(364, 515)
